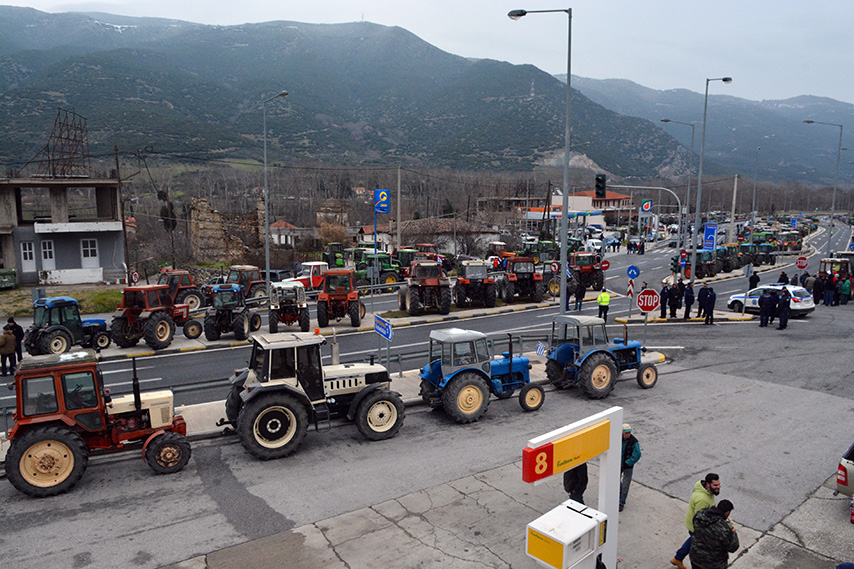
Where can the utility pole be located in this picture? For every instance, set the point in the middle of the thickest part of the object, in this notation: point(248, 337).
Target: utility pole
point(732, 214)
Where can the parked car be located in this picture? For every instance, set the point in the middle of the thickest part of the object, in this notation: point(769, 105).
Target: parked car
point(595, 246)
point(845, 473)
point(800, 305)
point(278, 275)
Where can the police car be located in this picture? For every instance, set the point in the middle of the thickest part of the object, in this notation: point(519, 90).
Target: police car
point(800, 305)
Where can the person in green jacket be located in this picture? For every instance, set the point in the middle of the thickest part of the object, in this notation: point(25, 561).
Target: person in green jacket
point(702, 497)
point(845, 291)
point(714, 537)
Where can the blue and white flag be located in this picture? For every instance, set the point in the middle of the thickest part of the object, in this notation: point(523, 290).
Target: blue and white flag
point(541, 349)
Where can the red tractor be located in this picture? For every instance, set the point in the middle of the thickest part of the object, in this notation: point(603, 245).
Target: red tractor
point(426, 287)
point(339, 298)
point(522, 278)
point(146, 312)
point(182, 289)
point(63, 413)
point(248, 276)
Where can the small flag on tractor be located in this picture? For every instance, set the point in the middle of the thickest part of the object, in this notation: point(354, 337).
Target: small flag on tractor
point(541, 349)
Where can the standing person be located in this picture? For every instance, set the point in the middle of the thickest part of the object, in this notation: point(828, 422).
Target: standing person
point(664, 297)
point(689, 300)
point(829, 287)
point(709, 309)
point(845, 291)
point(775, 300)
point(641, 248)
point(702, 296)
point(7, 351)
point(680, 288)
point(783, 309)
point(19, 336)
point(753, 281)
point(818, 289)
point(764, 308)
point(794, 280)
point(714, 537)
point(674, 301)
point(631, 455)
point(580, 291)
point(804, 278)
point(603, 300)
point(702, 497)
point(575, 482)
point(784, 278)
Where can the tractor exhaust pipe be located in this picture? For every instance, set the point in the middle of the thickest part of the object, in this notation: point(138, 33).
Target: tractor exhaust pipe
point(510, 353)
point(137, 400)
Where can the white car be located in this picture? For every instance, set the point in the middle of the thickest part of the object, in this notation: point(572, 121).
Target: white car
point(801, 304)
point(595, 246)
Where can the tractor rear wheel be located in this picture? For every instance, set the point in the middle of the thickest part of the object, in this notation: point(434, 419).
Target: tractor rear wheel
point(273, 321)
point(304, 320)
point(212, 333)
point(598, 376)
point(258, 291)
point(192, 329)
point(191, 297)
point(599, 280)
point(647, 375)
point(489, 295)
point(272, 426)
point(167, 453)
point(158, 330)
point(353, 310)
point(460, 296)
point(56, 342)
point(46, 461)
point(240, 326)
point(508, 293)
point(322, 313)
point(537, 295)
point(413, 306)
point(466, 398)
point(120, 331)
point(445, 300)
point(531, 397)
point(388, 278)
point(380, 415)
point(401, 298)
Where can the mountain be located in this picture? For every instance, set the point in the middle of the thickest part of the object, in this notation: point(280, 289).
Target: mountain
point(790, 149)
point(359, 93)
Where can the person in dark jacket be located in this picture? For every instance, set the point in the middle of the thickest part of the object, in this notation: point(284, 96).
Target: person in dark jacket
point(701, 299)
point(818, 289)
point(753, 281)
point(575, 482)
point(631, 455)
point(680, 286)
point(794, 280)
point(804, 278)
point(19, 336)
point(7, 351)
point(765, 301)
point(580, 291)
point(775, 300)
point(664, 297)
point(714, 537)
point(689, 300)
point(674, 300)
point(783, 309)
point(709, 308)
point(784, 278)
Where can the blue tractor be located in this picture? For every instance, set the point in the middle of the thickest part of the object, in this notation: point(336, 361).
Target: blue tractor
point(57, 326)
point(462, 374)
point(580, 354)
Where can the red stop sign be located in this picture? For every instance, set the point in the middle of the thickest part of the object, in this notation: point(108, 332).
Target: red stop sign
point(741, 238)
point(684, 254)
point(648, 300)
point(802, 263)
point(605, 265)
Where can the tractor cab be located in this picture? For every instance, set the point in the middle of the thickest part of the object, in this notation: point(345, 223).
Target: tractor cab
point(338, 282)
point(576, 334)
point(227, 296)
point(59, 311)
point(454, 349)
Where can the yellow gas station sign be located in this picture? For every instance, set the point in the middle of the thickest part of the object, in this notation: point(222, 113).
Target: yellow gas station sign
point(565, 453)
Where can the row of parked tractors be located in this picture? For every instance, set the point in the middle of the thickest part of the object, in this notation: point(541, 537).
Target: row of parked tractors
point(729, 257)
point(64, 413)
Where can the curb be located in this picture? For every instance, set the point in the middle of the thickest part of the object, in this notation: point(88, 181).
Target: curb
point(745, 318)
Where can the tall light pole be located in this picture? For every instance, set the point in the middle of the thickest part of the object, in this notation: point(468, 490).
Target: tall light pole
point(564, 223)
point(753, 209)
point(267, 197)
point(688, 193)
point(700, 174)
point(835, 183)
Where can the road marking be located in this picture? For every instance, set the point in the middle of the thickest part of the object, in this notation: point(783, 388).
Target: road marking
point(665, 347)
point(107, 372)
point(658, 267)
point(131, 382)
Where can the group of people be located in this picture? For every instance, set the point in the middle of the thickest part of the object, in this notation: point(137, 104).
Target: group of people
point(673, 297)
point(829, 289)
point(637, 248)
point(11, 341)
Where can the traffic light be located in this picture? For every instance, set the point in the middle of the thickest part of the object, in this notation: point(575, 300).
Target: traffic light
point(601, 182)
point(674, 264)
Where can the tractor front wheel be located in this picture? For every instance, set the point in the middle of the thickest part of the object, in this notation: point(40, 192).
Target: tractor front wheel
point(158, 331)
point(167, 453)
point(273, 321)
point(531, 397)
point(598, 376)
point(304, 320)
point(272, 426)
point(353, 310)
point(254, 321)
point(322, 313)
point(466, 398)
point(101, 340)
point(647, 375)
point(191, 297)
point(212, 333)
point(240, 325)
point(192, 329)
point(380, 415)
point(46, 461)
point(56, 342)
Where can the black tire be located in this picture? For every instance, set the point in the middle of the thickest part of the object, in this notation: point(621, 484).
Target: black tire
point(212, 333)
point(257, 291)
point(401, 298)
point(233, 404)
point(466, 398)
point(598, 376)
point(304, 320)
point(361, 283)
point(192, 329)
point(489, 295)
point(537, 295)
point(31, 344)
point(379, 415)
point(272, 426)
point(586, 279)
point(101, 341)
point(273, 322)
point(55, 342)
point(737, 306)
point(413, 306)
point(355, 317)
point(168, 453)
point(388, 278)
point(362, 267)
point(240, 326)
point(191, 297)
point(322, 313)
point(254, 321)
point(506, 394)
point(647, 376)
point(599, 280)
point(428, 389)
point(508, 293)
point(158, 330)
point(445, 300)
point(554, 286)
point(531, 397)
point(46, 461)
point(555, 372)
point(120, 331)
point(460, 296)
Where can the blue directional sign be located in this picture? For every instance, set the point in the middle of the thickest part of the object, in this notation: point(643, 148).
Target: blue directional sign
point(633, 272)
point(381, 201)
point(710, 237)
point(794, 223)
point(383, 328)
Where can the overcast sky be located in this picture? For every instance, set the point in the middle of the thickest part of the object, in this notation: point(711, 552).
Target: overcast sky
point(772, 49)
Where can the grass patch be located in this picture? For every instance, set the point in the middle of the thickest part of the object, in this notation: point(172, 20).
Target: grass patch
point(19, 302)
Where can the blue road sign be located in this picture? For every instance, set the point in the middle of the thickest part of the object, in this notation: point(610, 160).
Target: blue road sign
point(794, 223)
point(381, 201)
point(710, 237)
point(683, 262)
point(383, 328)
point(633, 272)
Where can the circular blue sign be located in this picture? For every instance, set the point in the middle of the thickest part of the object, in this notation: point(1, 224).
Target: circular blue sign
point(633, 272)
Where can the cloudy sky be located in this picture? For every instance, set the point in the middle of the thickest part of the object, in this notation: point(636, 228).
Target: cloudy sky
point(773, 49)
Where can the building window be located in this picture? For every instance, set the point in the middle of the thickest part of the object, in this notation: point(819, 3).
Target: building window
point(90, 248)
point(27, 251)
point(47, 250)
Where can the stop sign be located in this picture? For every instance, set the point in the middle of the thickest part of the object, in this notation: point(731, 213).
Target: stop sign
point(648, 300)
point(684, 254)
point(802, 263)
point(741, 238)
point(605, 265)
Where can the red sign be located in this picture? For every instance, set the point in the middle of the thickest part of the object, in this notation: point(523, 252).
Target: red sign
point(648, 300)
point(687, 271)
point(605, 265)
point(684, 254)
point(555, 267)
point(631, 290)
point(802, 263)
point(741, 238)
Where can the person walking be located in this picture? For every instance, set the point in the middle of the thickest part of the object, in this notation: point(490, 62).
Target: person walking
point(714, 537)
point(664, 297)
point(604, 301)
point(709, 308)
point(702, 497)
point(631, 455)
point(689, 300)
point(764, 308)
point(753, 281)
point(7, 352)
point(783, 307)
point(575, 482)
point(580, 291)
point(19, 336)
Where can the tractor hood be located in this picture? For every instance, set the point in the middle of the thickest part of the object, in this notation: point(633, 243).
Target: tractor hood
point(373, 373)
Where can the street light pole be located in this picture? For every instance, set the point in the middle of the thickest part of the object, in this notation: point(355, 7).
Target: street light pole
point(753, 209)
point(835, 183)
point(700, 174)
point(688, 193)
point(267, 197)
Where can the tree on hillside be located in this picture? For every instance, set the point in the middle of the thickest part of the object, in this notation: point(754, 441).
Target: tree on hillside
point(332, 233)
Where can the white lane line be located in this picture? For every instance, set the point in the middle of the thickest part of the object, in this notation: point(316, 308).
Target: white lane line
point(152, 380)
point(665, 347)
point(139, 368)
point(658, 267)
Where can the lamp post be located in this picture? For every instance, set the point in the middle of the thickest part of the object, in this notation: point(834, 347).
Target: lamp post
point(564, 224)
point(688, 193)
point(835, 183)
point(267, 197)
point(700, 173)
point(753, 209)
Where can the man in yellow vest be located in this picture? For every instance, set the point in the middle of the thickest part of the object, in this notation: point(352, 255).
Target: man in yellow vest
point(603, 300)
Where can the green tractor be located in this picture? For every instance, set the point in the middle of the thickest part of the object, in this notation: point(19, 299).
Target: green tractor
point(387, 270)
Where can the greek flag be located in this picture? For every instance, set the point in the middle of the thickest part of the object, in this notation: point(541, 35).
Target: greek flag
point(541, 349)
